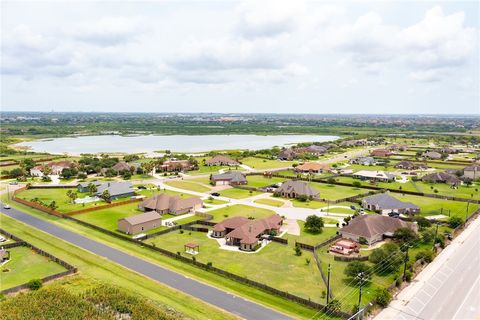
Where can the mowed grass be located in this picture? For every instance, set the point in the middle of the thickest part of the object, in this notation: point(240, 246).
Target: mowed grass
point(261, 164)
point(261, 181)
point(275, 265)
point(270, 202)
point(191, 186)
point(25, 265)
point(239, 210)
point(108, 218)
point(236, 193)
point(310, 238)
point(432, 206)
point(334, 192)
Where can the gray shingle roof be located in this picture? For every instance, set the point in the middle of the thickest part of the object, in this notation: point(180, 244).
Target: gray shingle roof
point(370, 225)
point(298, 187)
point(385, 202)
point(232, 176)
point(115, 188)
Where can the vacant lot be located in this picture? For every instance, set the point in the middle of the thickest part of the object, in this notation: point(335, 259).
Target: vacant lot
point(275, 265)
point(309, 238)
point(334, 192)
point(262, 164)
point(24, 266)
point(235, 193)
point(239, 210)
point(261, 181)
point(270, 202)
point(192, 186)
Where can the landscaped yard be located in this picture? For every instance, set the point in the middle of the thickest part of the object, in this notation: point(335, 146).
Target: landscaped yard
point(275, 265)
point(270, 202)
point(334, 192)
point(236, 193)
point(24, 266)
point(192, 186)
point(239, 210)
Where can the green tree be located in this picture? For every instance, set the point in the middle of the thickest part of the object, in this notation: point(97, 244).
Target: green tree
point(356, 184)
point(382, 297)
point(106, 196)
point(353, 269)
point(387, 258)
point(92, 189)
point(427, 235)
point(454, 222)
point(405, 235)
point(53, 205)
point(314, 224)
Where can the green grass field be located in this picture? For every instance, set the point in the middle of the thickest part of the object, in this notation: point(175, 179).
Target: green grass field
point(334, 192)
point(236, 193)
point(275, 265)
point(191, 186)
point(307, 204)
point(309, 238)
point(270, 202)
point(25, 265)
point(262, 164)
point(239, 210)
point(261, 181)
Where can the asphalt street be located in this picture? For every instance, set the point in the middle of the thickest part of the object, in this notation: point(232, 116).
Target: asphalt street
point(224, 300)
point(449, 288)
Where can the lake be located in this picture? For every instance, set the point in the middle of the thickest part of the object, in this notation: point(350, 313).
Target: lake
point(176, 143)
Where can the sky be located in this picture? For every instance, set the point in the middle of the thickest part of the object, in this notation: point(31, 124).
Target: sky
point(272, 56)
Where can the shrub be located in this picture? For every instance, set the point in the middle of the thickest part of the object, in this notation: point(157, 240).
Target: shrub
point(408, 275)
point(454, 222)
point(356, 184)
point(405, 235)
point(362, 240)
point(34, 284)
point(298, 251)
point(314, 224)
point(382, 297)
point(426, 255)
point(427, 236)
point(356, 267)
point(423, 222)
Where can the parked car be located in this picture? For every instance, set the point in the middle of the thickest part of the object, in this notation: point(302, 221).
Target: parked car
point(215, 194)
point(6, 206)
point(13, 183)
point(352, 207)
point(2, 239)
point(142, 187)
point(172, 177)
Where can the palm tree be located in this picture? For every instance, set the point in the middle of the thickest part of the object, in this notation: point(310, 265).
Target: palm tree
point(106, 196)
point(92, 188)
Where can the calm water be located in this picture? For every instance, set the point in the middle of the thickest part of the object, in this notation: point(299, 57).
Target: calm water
point(179, 143)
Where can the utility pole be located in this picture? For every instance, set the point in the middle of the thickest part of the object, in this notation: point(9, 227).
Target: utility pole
point(360, 275)
point(466, 213)
point(435, 238)
point(328, 284)
point(405, 263)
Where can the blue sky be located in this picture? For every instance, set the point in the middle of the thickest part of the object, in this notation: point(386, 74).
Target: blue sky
point(241, 56)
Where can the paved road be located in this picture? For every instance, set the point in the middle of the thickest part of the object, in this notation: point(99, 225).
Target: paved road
point(449, 288)
point(231, 303)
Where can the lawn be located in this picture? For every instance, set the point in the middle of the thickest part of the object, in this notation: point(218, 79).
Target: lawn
point(307, 204)
point(431, 206)
point(334, 192)
point(275, 265)
point(239, 210)
point(261, 181)
point(309, 238)
point(236, 193)
point(262, 164)
point(108, 218)
point(25, 265)
point(270, 202)
point(191, 186)
point(214, 201)
point(204, 180)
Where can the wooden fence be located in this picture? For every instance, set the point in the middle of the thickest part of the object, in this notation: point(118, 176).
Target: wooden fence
point(348, 258)
point(34, 204)
point(104, 206)
point(19, 242)
point(328, 241)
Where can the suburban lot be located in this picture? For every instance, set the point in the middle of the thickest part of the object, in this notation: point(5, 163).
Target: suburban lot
point(239, 210)
point(263, 164)
point(26, 265)
point(187, 185)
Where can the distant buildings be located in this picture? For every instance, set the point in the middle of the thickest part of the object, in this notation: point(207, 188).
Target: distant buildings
point(176, 165)
point(408, 165)
point(381, 153)
point(140, 222)
point(232, 178)
point(55, 168)
point(380, 176)
point(442, 177)
point(221, 160)
point(312, 167)
point(364, 161)
point(434, 155)
point(472, 172)
point(115, 189)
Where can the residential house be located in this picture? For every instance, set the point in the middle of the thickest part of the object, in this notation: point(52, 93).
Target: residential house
point(373, 228)
point(232, 178)
point(398, 147)
point(434, 155)
point(246, 233)
point(164, 203)
point(448, 150)
point(56, 168)
point(287, 155)
point(116, 189)
point(353, 143)
point(140, 223)
point(381, 153)
point(176, 165)
point(442, 177)
point(221, 160)
point(124, 166)
point(297, 188)
point(408, 165)
point(364, 161)
point(316, 150)
point(378, 175)
point(312, 167)
point(472, 172)
point(385, 203)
